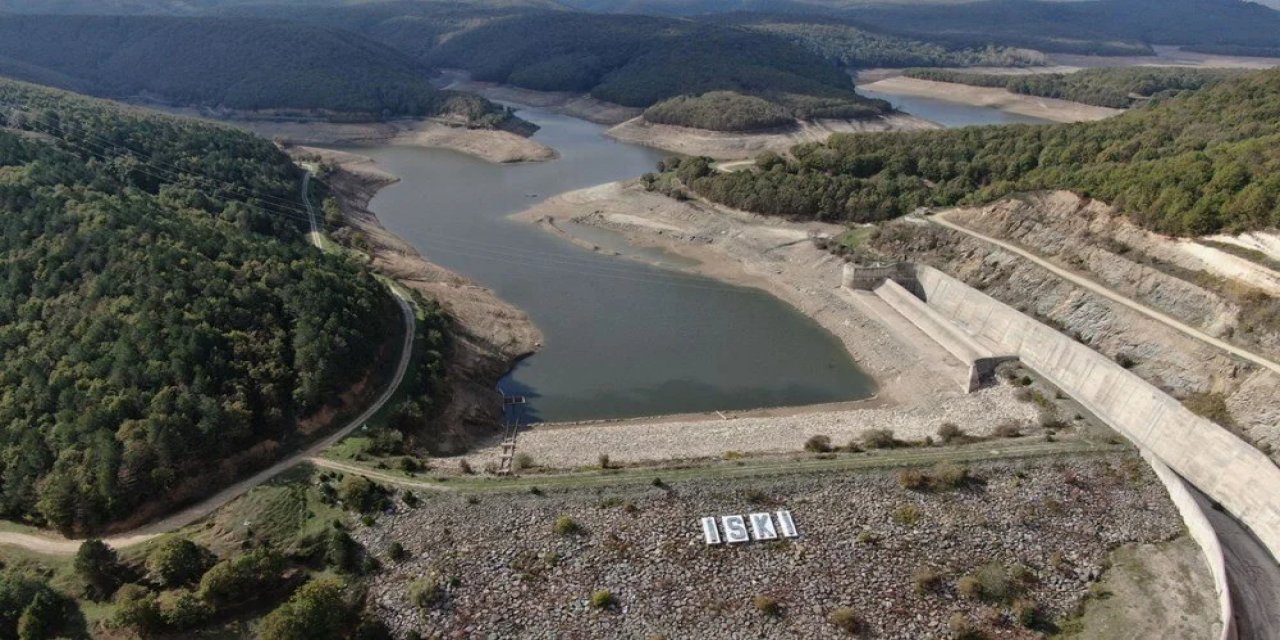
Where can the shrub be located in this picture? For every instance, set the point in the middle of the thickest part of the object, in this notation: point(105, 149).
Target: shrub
point(465, 467)
point(845, 619)
point(949, 432)
point(962, 628)
point(361, 494)
point(604, 461)
point(993, 583)
point(99, 566)
point(396, 551)
point(427, 590)
point(879, 439)
point(523, 461)
point(907, 514)
point(818, 444)
point(235, 580)
point(136, 608)
point(178, 561)
point(183, 609)
point(868, 536)
point(1026, 612)
point(1008, 430)
point(768, 605)
point(948, 475)
point(317, 611)
point(969, 587)
point(926, 580)
point(912, 479)
point(602, 599)
point(566, 526)
point(1125, 360)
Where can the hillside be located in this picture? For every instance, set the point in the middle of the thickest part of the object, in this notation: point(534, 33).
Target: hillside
point(1197, 163)
point(1116, 87)
point(233, 63)
point(160, 330)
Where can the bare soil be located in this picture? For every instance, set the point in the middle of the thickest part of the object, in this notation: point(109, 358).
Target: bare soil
point(1032, 106)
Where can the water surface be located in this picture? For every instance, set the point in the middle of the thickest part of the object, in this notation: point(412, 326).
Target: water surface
point(622, 338)
point(950, 114)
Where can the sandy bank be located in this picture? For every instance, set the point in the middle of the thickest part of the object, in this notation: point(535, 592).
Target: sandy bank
point(577, 105)
point(487, 144)
point(723, 145)
point(1032, 106)
point(490, 335)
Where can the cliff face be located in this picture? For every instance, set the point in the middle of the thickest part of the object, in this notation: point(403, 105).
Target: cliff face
point(1090, 238)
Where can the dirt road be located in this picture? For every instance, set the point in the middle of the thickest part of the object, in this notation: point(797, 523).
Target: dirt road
point(1094, 287)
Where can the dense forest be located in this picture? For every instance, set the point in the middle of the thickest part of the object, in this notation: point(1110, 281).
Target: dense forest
point(157, 315)
point(227, 62)
point(1197, 163)
point(851, 45)
point(1117, 87)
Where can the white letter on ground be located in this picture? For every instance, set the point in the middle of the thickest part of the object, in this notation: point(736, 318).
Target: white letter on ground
point(735, 529)
point(762, 527)
point(709, 531)
point(787, 525)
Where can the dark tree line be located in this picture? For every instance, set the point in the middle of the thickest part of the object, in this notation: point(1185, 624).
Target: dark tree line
point(1197, 163)
point(153, 324)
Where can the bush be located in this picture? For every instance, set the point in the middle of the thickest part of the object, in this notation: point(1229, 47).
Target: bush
point(181, 610)
point(990, 582)
point(768, 605)
point(868, 536)
point(1026, 612)
point(99, 566)
point(396, 551)
point(604, 461)
point(818, 444)
point(969, 587)
point(949, 432)
point(427, 590)
point(845, 619)
point(926, 580)
point(523, 461)
point(178, 561)
point(566, 526)
point(907, 514)
point(962, 628)
point(465, 467)
point(948, 475)
point(236, 580)
point(602, 599)
point(317, 611)
point(1008, 430)
point(361, 494)
point(136, 608)
point(912, 479)
point(879, 439)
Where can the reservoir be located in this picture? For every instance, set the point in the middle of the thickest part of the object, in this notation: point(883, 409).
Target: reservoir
point(950, 114)
point(622, 338)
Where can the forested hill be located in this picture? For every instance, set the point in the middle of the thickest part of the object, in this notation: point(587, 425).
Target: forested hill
point(236, 63)
point(153, 326)
point(1198, 163)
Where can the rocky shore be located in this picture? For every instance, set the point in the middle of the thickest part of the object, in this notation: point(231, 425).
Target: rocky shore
point(631, 562)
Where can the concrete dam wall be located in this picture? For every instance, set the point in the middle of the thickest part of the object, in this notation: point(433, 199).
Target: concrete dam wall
point(1220, 464)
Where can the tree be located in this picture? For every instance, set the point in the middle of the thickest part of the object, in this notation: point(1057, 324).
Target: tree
point(317, 611)
point(137, 608)
point(99, 566)
point(236, 580)
point(177, 561)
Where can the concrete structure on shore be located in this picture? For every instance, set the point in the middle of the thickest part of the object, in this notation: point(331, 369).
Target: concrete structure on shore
point(1226, 468)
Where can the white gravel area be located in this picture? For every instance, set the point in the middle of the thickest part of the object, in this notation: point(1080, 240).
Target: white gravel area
point(666, 439)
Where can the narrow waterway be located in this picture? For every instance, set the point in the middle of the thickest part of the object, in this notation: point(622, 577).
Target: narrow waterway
point(622, 338)
point(950, 114)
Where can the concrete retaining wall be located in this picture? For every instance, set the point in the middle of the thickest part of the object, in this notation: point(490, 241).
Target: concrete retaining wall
point(1220, 464)
point(1202, 532)
point(867, 278)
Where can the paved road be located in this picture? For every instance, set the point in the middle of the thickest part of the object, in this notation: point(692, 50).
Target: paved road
point(1111, 295)
point(57, 545)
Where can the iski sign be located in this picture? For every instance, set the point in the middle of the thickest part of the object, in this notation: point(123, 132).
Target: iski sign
point(755, 526)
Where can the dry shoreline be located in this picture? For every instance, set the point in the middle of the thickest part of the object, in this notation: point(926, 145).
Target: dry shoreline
point(723, 145)
point(1032, 106)
point(490, 334)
